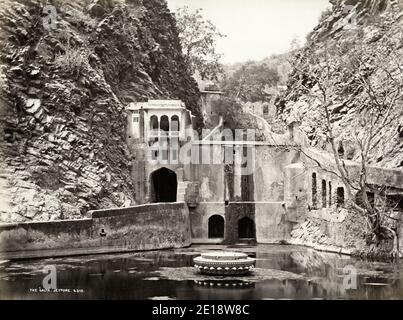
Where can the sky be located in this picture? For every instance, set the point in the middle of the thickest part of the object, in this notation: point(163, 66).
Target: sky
point(256, 29)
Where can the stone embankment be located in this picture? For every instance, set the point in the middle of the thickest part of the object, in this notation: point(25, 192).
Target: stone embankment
point(139, 228)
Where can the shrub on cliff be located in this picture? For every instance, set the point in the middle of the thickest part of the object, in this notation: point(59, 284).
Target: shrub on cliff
point(74, 61)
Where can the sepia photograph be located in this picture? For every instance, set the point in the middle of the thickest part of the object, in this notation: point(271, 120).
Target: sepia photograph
point(167, 151)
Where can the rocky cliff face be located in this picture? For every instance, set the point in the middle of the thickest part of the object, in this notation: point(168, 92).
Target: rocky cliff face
point(374, 27)
point(64, 87)
point(351, 63)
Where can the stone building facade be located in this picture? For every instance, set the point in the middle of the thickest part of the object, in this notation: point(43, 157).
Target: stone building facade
point(226, 202)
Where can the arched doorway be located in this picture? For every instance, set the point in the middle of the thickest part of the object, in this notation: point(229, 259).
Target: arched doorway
point(314, 191)
point(164, 124)
point(164, 186)
point(216, 227)
point(246, 228)
point(340, 196)
point(154, 126)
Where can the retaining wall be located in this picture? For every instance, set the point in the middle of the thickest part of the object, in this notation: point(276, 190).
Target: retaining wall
point(145, 227)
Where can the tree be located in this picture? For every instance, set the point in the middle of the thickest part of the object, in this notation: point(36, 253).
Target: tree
point(368, 81)
point(198, 38)
point(251, 82)
point(230, 110)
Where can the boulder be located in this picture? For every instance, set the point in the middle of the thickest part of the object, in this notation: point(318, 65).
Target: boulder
point(95, 9)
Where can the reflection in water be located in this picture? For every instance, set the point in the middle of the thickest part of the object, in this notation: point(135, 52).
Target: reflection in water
point(136, 276)
point(225, 283)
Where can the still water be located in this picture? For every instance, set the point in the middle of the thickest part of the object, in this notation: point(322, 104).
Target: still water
point(283, 272)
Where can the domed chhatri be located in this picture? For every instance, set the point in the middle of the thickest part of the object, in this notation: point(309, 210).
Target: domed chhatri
point(224, 263)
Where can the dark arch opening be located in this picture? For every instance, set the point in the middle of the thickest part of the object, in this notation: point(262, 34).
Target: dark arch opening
point(164, 124)
point(216, 227)
point(324, 194)
point(340, 150)
point(340, 196)
point(164, 185)
point(314, 191)
point(360, 201)
point(154, 123)
point(154, 126)
point(246, 228)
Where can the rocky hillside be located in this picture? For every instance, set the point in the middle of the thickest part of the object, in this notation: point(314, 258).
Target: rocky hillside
point(357, 50)
point(64, 85)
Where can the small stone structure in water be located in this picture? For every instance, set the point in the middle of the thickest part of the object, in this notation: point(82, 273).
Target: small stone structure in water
point(224, 263)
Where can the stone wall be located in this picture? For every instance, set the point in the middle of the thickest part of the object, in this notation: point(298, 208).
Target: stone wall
point(318, 220)
point(233, 213)
point(260, 196)
point(269, 172)
point(276, 186)
point(200, 216)
point(146, 227)
point(271, 222)
point(211, 198)
point(333, 229)
point(322, 221)
point(296, 191)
